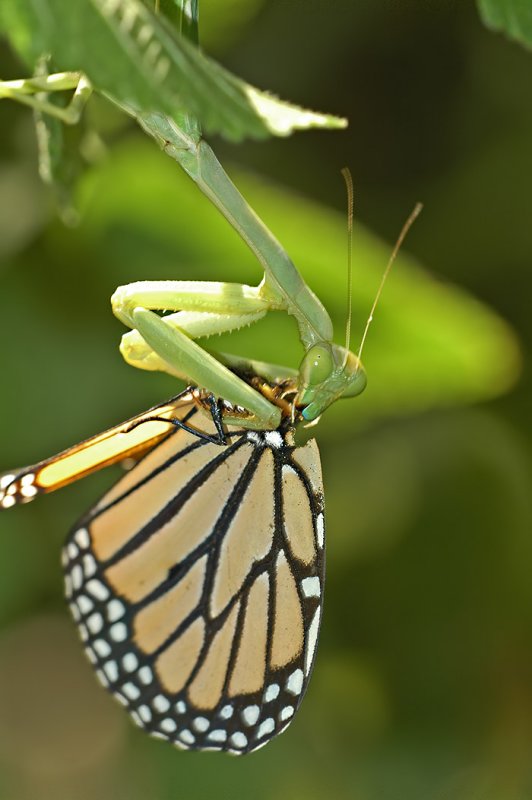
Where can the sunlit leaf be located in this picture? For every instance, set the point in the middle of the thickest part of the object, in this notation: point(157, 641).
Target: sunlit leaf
point(137, 59)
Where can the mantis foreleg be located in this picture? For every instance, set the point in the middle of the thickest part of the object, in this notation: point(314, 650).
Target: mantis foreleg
point(159, 343)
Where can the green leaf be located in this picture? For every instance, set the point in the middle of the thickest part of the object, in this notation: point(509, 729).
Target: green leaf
point(135, 58)
point(513, 17)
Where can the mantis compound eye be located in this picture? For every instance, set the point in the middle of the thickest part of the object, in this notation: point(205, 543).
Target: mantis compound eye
point(317, 365)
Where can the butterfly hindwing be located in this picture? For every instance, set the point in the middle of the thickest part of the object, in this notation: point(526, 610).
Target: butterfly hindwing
point(196, 583)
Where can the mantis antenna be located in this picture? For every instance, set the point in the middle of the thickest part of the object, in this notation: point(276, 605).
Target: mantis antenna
point(346, 174)
point(400, 239)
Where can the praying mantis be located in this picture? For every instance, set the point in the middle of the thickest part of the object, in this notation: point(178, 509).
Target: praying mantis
point(327, 371)
point(199, 309)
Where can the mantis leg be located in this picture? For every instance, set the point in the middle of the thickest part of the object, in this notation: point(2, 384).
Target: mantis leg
point(160, 343)
point(282, 283)
point(193, 324)
point(29, 91)
point(200, 296)
point(210, 308)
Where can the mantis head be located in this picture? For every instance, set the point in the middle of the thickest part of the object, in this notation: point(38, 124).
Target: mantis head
point(328, 371)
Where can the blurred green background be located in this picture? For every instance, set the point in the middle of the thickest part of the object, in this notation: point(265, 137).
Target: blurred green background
point(422, 688)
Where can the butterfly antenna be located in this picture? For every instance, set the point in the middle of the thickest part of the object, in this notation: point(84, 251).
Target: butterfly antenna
point(406, 227)
point(346, 174)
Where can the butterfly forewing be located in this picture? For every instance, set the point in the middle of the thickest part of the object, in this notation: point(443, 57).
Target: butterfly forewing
point(196, 583)
point(130, 439)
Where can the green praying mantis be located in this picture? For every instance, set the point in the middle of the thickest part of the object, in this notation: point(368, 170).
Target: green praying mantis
point(199, 309)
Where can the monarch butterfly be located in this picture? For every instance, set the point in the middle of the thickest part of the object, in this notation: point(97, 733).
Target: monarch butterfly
point(196, 582)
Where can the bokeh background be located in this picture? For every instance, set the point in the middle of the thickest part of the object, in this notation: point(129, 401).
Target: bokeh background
point(423, 683)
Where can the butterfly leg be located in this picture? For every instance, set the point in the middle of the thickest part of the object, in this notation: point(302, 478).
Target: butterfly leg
point(215, 410)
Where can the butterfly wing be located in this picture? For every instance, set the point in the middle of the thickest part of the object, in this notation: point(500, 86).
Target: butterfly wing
point(197, 584)
point(130, 439)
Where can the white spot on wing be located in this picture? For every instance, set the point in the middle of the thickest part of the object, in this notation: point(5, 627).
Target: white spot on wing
point(89, 565)
point(102, 648)
point(136, 719)
point(85, 605)
point(239, 739)
point(160, 703)
point(82, 538)
point(271, 692)
point(130, 662)
point(111, 670)
point(72, 550)
point(268, 726)
point(227, 712)
point(217, 735)
point(294, 684)
point(5, 480)
point(201, 724)
point(101, 677)
point(311, 587)
point(312, 639)
point(77, 577)
point(145, 714)
point(121, 699)
point(131, 691)
point(168, 725)
point(95, 623)
point(97, 589)
point(118, 632)
point(320, 531)
point(187, 737)
point(250, 715)
point(286, 713)
point(145, 675)
point(115, 610)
